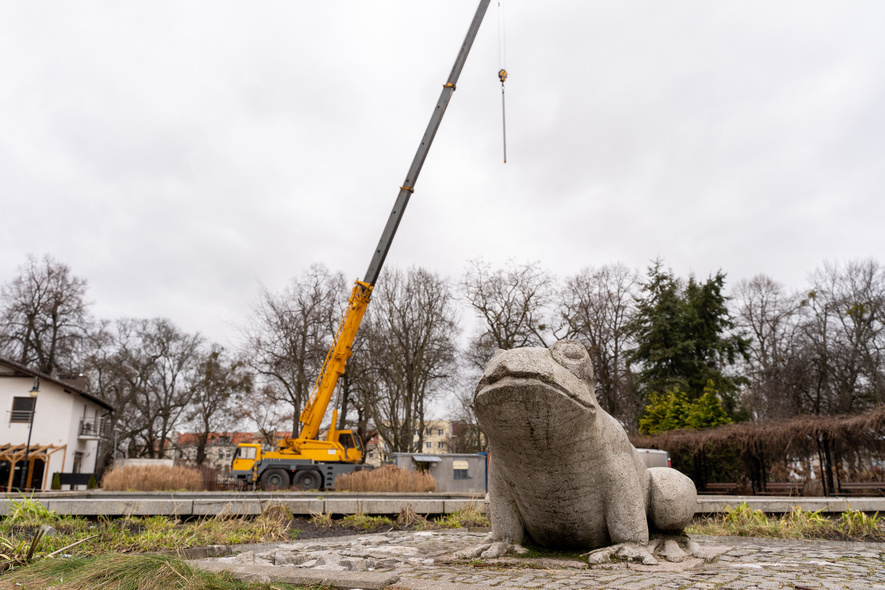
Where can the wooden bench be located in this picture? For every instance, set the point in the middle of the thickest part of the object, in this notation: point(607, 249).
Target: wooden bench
point(789, 488)
point(721, 488)
point(863, 488)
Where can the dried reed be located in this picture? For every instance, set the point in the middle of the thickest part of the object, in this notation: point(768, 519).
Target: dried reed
point(389, 478)
point(152, 478)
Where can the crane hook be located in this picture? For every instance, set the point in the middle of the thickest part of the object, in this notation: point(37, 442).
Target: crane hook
point(502, 75)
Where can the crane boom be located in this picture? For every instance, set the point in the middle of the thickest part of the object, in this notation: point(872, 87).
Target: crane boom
point(336, 359)
point(408, 186)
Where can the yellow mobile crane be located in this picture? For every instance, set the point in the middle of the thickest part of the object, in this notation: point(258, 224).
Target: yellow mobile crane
point(306, 461)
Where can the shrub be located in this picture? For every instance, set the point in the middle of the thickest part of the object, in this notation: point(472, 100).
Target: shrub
point(389, 478)
point(91, 484)
point(152, 478)
point(56, 481)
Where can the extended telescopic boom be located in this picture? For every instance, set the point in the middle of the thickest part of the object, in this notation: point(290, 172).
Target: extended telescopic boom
point(334, 364)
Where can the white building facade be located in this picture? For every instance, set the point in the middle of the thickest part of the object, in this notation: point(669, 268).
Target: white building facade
point(68, 425)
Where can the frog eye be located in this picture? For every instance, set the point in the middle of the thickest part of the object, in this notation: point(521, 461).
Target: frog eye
point(572, 355)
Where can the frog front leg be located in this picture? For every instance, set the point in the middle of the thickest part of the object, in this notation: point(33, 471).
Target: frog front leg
point(626, 519)
point(504, 515)
point(671, 505)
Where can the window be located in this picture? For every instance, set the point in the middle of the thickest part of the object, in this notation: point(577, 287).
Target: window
point(245, 453)
point(345, 439)
point(460, 469)
point(428, 444)
point(439, 432)
point(440, 445)
point(22, 407)
point(78, 462)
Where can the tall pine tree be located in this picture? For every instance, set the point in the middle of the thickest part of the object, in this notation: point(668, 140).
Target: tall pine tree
point(685, 338)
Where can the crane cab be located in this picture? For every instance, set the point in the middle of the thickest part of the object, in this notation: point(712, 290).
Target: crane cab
point(245, 457)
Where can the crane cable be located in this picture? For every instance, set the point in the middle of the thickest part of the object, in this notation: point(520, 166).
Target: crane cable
point(502, 73)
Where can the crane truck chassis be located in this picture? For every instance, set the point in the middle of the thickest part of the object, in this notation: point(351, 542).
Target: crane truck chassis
point(275, 471)
point(307, 461)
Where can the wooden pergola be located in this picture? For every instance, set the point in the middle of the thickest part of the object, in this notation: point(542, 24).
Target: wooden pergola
point(850, 447)
point(16, 453)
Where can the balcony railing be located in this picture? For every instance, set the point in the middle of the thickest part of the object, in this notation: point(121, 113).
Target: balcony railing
point(22, 416)
point(94, 428)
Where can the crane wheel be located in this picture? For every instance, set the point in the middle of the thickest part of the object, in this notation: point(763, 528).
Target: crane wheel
point(309, 479)
point(274, 479)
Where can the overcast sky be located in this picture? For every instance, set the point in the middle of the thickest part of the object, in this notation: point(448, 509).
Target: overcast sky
point(178, 155)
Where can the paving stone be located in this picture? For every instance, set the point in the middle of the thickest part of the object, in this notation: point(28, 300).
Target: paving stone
point(416, 559)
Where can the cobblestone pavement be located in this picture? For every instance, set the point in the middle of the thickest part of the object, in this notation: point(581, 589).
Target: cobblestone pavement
point(419, 559)
point(748, 564)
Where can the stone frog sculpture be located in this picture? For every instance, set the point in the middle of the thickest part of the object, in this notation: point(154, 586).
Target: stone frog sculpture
point(561, 469)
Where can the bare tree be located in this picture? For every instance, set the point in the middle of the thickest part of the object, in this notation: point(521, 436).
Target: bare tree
point(844, 332)
point(175, 359)
point(148, 370)
point(820, 353)
point(410, 334)
point(261, 408)
point(44, 316)
point(221, 383)
point(112, 380)
point(467, 434)
point(598, 305)
point(776, 367)
point(291, 331)
point(513, 304)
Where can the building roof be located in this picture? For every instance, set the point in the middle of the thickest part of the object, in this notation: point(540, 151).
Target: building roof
point(24, 371)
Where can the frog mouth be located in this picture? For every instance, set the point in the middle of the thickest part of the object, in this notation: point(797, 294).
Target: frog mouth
point(489, 386)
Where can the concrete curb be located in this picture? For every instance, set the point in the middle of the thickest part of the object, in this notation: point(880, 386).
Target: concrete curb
point(784, 504)
point(241, 504)
point(305, 504)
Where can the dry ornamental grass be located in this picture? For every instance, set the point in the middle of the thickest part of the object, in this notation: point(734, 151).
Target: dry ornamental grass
point(389, 478)
point(152, 478)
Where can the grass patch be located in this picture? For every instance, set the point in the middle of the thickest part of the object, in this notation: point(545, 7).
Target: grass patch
point(743, 521)
point(29, 511)
point(15, 555)
point(388, 478)
point(364, 522)
point(322, 519)
point(125, 572)
point(468, 517)
point(139, 534)
point(152, 478)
